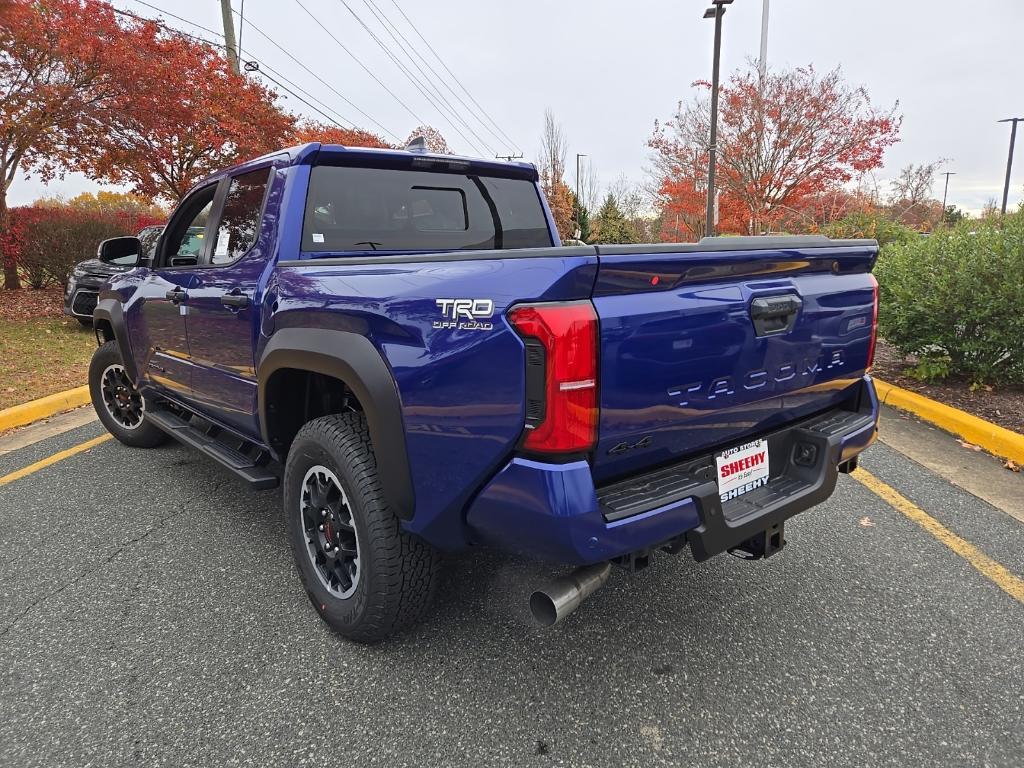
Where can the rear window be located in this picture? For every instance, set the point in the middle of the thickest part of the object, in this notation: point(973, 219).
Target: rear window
point(375, 209)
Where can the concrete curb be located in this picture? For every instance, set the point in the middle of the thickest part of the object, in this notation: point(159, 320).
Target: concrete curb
point(26, 413)
point(997, 440)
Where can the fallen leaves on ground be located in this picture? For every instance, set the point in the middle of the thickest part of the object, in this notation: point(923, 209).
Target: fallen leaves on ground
point(969, 446)
point(867, 522)
point(27, 303)
point(1011, 465)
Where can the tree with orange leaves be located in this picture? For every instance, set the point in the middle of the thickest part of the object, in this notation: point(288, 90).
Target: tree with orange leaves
point(53, 75)
point(309, 130)
point(161, 146)
point(781, 138)
point(434, 140)
point(122, 100)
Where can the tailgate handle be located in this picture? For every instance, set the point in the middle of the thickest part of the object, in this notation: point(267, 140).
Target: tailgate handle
point(774, 314)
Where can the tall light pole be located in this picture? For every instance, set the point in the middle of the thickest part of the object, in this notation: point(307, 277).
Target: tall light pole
point(762, 63)
point(945, 190)
point(716, 11)
point(1009, 159)
point(578, 156)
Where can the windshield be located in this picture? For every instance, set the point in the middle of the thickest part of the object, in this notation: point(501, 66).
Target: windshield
point(373, 209)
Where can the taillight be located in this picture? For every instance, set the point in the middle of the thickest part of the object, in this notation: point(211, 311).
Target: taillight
point(561, 375)
point(874, 323)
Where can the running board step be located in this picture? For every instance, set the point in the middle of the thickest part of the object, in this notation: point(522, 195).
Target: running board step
point(258, 477)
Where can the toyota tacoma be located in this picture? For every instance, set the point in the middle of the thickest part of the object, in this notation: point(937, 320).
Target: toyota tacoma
point(399, 341)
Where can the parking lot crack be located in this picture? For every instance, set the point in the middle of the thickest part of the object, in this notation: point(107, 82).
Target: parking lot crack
point(105, 561)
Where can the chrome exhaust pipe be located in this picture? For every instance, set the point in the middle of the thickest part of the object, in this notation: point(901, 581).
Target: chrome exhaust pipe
point(565, 594)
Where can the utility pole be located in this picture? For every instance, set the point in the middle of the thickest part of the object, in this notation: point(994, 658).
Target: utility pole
point(945, 190)
point(715, 12)
point(762, 63)
point(578, 156)
point(230, 46)
point(1009, 159)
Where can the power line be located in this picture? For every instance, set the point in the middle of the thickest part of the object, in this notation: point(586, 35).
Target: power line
point(216, 46)
point(264, 68)
point(172, 29)
point(410, 77)
point(409, 46)
point(388, 26)
point(456, 79)
point(323, 82)
point(296, 96)
point(360, 63)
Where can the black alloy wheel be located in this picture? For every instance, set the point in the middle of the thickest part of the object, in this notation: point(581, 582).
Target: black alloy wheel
point(331, 540)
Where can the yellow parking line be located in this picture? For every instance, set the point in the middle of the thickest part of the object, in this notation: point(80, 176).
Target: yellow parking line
point(59, 456)
point(985, 565)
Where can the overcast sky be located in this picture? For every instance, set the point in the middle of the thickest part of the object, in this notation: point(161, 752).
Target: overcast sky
point(609, 68)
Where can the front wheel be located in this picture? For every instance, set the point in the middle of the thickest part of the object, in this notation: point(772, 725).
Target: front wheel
point(366, 576)
point(120, 406)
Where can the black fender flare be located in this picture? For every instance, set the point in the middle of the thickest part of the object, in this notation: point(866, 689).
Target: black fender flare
point(353, 359)
point(110, 310)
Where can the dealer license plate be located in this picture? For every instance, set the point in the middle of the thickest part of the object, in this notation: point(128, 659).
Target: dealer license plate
point(742, 469)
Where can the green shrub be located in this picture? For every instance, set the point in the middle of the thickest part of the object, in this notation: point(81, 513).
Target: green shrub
point(956, 299)
point(871, 224)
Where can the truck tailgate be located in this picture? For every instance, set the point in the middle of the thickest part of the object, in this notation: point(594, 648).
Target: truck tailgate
point(704, 345)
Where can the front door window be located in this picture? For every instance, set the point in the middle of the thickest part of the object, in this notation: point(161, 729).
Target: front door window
point(186, 236)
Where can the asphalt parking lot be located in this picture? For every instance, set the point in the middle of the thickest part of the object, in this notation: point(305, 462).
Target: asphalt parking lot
point(150, 614)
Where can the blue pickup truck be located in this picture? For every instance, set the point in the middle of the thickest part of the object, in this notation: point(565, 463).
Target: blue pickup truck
point(400, 341)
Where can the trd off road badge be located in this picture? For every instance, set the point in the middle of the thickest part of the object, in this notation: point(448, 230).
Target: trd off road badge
point(465, 314)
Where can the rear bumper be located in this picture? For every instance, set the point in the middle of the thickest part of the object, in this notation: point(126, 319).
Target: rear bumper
point(554, 512)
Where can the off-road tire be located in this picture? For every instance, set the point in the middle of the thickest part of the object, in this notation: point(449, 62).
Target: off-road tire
point(144, 435)
point(398, 571)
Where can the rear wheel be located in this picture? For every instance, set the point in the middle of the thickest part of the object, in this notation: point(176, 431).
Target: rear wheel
point(120, 406)
point(366, 576)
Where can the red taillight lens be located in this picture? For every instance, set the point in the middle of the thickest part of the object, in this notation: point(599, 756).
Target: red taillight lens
point(561, 352)
point(874, 324)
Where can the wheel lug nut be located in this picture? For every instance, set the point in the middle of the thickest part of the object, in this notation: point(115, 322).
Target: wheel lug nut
point(321, 526)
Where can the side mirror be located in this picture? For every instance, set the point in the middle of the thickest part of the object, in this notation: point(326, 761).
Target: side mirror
point(122, 251)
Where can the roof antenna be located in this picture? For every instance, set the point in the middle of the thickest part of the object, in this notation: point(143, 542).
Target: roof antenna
point(416, 144)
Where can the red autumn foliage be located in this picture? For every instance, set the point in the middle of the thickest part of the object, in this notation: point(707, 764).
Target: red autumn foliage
point(815, 211)
point(309, 130)
point(123, 101)
point(435, 141)
point(47, 241)
point(781, 139)
point(55, 80)
point(160, 146)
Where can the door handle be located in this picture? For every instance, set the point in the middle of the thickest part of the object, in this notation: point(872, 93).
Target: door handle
point(176, 296)
point(235, 300)
point(774, 314)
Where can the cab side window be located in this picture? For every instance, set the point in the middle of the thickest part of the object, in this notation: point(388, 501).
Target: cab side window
point(183, 244)
point(240, 217)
